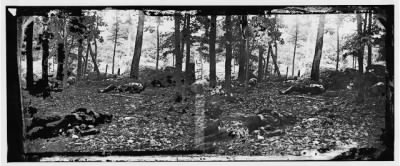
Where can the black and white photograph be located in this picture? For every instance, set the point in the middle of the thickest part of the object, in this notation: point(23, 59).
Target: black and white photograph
point(194, 83)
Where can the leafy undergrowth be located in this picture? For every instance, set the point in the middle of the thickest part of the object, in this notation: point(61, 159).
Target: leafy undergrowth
point(152, 121)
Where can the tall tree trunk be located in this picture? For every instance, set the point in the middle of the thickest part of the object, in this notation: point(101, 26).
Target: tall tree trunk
point(115, 45)
point(158, 42)
point(260, 63)
point(29, 58)
point(276, 71)
point(246, 50)
point(369, 60)
point(337, 47)
point(87, 57)
point(80, 50)
point(45, 68)
point(294, 51)
point(138, 47)
point(213, 30)
point(92, 54)
point(242, 54)
point(183, 37)
point(188, 71)
point(66, 63)
point(360, 50)
point(268, 55)
point(318, 49)
point(274, 60)
point(60, 61)
point(178, 56)
point(228, 58)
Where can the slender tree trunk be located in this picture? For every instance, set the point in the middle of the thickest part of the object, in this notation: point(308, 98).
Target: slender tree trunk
point(29, 58)
point(66, 52)
point(158, 42)
point(294, 51)
point(87, 57)
point(360, 49)
point(92, 54)
point(318, 49)
point(337, 47)
point(138, 47)
point(242, 59)
point(188, 71)
point(80, 50)
point(274, 60)
point(60, 61)
point(213, 74)
point(115, 46)
point(276, 71)
point(260, 63)
point(228, 59)
point(369, 61)
point(268, 55)
point(183, 37)
point(45, 64)
point(178, 59)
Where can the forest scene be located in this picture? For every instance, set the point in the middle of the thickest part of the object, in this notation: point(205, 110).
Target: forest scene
point(299, 83)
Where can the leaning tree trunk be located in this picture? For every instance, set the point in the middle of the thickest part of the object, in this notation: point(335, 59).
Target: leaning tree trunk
point(92, 54)
point(138, 47)
point(213, 74)
point(274, 61)
point(29, 58)
point(360, 50)
point(369, 61)
point(228, 59)
point(45, 64)
point(318, 49)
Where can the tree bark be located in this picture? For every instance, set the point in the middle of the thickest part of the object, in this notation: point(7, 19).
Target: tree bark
point(115, 44)
point(80, 50)
point(178, 59)
point(158, 42)
point(213, 74)
point(337, 47)
point(96, 68)
point(45, 64)
point(242, 59)
point(138, 47)
point(29, 58)
point(318, 49)
point(188, 78)
point(228, 59)
point(266, 65)
point(87, 57)
point(360, 50)
point(60, 60)
point(274, 60)
point(260, 63)
point(294, 51)
point(369, 60)
point(66, 53)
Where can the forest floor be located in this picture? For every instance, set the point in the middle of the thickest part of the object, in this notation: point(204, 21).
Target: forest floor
point(152, 121)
